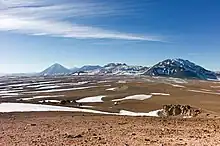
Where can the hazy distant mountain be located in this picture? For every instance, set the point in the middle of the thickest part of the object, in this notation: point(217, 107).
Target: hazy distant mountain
point(218, 73)
point(181, 69)
point(55, 69)
point(122, 69)
point(74, 69)
point(89, 68)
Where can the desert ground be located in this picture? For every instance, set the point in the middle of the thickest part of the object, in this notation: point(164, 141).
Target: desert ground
point(106, 110)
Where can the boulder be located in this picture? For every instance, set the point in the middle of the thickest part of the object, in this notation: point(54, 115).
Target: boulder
point(179, 110)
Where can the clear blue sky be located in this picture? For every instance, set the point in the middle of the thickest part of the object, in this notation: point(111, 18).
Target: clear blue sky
point(37, 33)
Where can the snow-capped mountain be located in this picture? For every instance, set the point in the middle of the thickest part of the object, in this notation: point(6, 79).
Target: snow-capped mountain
point(89, 68)
point(181, 69)
point(55, 69)
point(120, 69)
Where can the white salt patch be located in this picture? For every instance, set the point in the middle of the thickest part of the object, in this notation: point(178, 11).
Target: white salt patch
point(213, 79)
point(103, 81)
point(178, 86)
point(35, 86)
point(150, 114)
point(47, 82)
point(148, 80)
point(81, 83)
point(26, 107)
point(5, 91)
point(198, 91)
point(53, 101)
point(135, 97)
point(91, 99)
point(206, 90)
point(49, 87)
point(111, 89)
point(75, 84)
point(164, 94)
point(177, 80)
point(60, 90)
point(122, 82)
point(18, 85)
point(86, 106)
point(215, 86)
point(187, 117)
point(37, 97)
point(107, 85)
point(19, 88)
point(9, 93)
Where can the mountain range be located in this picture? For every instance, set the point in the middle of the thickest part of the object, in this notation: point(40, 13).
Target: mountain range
point(178, 68)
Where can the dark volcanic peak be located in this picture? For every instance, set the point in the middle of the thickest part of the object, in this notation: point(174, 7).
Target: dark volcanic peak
point(55, 69)
point(180, 68)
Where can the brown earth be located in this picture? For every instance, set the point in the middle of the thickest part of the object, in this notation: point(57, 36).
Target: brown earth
point(66, 128)
point(75, 129)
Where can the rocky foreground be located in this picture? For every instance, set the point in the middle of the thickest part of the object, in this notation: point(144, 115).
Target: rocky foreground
point(61, 128)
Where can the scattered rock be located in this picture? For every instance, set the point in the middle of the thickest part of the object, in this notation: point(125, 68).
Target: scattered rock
point(78, 136)
point(116, 103)
point(179, 110)
point(72, 136)
point(103, 142)
point(63, 102)
point(123, 123)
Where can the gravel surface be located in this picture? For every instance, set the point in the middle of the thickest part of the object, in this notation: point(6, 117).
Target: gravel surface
point(76, 129)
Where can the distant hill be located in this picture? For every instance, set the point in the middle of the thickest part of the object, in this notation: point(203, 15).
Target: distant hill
point(89, 68)
point(112, 69)
point(218, 73)
point(180, 68)
point(122, 69)
point(55, 69)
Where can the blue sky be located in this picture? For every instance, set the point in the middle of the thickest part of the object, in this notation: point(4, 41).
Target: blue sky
point(37, 33)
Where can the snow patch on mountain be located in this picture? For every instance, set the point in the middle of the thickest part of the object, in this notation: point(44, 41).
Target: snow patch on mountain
point(180, 68)
point(55, 69)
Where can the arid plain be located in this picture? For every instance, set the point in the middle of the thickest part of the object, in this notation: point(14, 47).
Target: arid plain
point(107, 110)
